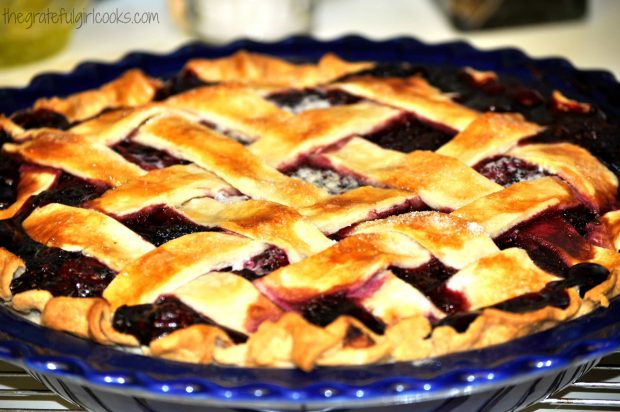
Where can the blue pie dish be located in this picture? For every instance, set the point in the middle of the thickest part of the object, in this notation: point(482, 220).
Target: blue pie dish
point(500, 378)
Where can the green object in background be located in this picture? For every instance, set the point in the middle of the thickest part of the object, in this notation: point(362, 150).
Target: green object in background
point(34, 29)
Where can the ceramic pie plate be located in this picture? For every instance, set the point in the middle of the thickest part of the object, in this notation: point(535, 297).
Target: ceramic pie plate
point(503, 377)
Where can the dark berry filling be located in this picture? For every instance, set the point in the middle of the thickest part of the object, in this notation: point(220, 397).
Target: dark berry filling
point(5, 137)
point(260, 265)
point(9, 179)
point(386, 70)
point(67, 190)
point(146, 157)
point(408, 133)
point(505, 170)
point(39, 118)
point(592, 131)
point(236, 136)
point(63, 274)
point(297, 101)
point(182, 82)
point(71, 191)
point(581, 218)
point(599, 234)
point(324, 177)
point(550, 241)
point(150, 321)
point(160, 224)
point(430, 279)
point(426, 278)
point(323, 310)
point(503, 96)
point(14, 239)
point(584, 276)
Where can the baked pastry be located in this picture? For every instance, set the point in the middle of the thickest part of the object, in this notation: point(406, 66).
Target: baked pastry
point(254, 212)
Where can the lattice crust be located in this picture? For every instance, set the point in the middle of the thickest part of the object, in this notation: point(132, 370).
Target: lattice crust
point(235, 228)
point(267, 71)
point(131, 89)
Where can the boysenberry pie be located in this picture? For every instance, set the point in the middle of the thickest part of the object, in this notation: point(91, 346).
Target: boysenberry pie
point(254, 212)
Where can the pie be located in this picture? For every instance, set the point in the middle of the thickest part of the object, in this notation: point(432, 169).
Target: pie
point(250, 211)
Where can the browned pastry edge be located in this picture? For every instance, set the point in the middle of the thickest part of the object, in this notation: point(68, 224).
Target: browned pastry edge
point(262, 70)
point(10, 267)
point(32, 181)
point(68, 314)
point(131, 89)
point(196, 344)
point(611, 222)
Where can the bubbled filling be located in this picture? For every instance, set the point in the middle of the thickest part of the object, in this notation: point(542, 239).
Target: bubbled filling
point(160, 224)
point(506, 170)
point(148, 158)
point(63, 273)
point(262, 264)
point(153, 320)
point(39, 118)
point(330, 180)
point(407, 133)
point(298, 101)
point(9, 179)
point(183, 81)
point(324, 309)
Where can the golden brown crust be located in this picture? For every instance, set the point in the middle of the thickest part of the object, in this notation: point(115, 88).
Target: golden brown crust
point(228, 159)
point(32, 181)
point(499, 277)
point(291, 339)
point(408, 339)
point(413, 94)
point(257, 69)
point(228, 299)
point(259, 220)
point(564, 104)
point(12, 129)
point(500, 211)
point(350, 263)
point(611, 220)
point(282, 143)
point(364, 203)
point(488, 135)
point(394, 300)
point(479, 77)
point(101, 329)
point(87, 231)
point(493, 326)
point(467, 241)
point(131, 89)
point(230, 107)
point(194, 344)
point(75, 154)
point(11, 267)
point(113, 127)
point(171, 186)
point(68, 314)
point(429, 181)
point(30, 300)
point(358, 345)
point(176, 263)
point(595, 183)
